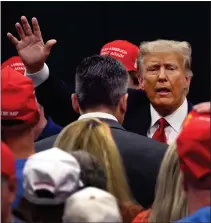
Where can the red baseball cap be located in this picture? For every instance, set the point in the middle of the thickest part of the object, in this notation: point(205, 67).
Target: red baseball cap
point(123, 51)
point(15, 63)
point(7, 161)
point(193, 146)
point(18, 97)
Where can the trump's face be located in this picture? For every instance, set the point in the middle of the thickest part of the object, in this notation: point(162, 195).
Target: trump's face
point(165, 81)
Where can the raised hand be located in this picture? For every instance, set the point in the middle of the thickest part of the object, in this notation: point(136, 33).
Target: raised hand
point(31, 48)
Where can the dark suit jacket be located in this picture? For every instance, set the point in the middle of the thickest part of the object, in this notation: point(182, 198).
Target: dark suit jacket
point(141, 157)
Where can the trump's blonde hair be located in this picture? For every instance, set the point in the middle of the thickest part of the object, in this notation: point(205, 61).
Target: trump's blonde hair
point(93, 136)
point(167, 46)
point(170, 202)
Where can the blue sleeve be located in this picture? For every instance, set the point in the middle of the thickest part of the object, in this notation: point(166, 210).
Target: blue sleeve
point(50, 129)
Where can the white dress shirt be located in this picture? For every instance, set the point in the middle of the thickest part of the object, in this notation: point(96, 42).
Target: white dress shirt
point(175, 121)
point(98, 115)
point(39, 77)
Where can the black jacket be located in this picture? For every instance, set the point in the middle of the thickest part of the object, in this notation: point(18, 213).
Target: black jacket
point(141, 156)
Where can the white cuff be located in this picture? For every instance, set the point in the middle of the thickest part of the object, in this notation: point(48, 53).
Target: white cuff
point(39, 77)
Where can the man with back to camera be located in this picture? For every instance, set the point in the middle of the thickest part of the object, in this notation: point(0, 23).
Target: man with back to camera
point(101, 92)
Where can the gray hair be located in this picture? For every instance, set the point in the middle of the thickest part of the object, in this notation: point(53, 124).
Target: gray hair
point(92, 173)
point(170, 202)
point(183, 48)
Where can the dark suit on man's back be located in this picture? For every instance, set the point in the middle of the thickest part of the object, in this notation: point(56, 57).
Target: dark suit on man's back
point(141, 157)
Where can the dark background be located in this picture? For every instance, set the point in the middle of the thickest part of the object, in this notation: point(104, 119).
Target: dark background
point(82, 28)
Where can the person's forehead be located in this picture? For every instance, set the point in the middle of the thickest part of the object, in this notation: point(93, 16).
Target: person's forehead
point(157, 58)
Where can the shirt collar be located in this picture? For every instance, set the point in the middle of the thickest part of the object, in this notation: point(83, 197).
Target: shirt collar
point(175, 119)
point(98, 115)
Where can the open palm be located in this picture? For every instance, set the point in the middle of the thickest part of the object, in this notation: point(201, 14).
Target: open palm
point(31, 48)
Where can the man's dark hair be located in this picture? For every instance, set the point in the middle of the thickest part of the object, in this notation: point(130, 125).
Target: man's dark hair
point(100, 80)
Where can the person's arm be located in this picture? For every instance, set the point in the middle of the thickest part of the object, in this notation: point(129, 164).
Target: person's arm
point(51, 92)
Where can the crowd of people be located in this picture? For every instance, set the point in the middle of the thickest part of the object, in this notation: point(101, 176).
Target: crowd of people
point(126, 146)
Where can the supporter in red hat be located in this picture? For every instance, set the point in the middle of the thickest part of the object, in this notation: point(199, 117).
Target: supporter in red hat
point(18, 98)
point(45, 127)
point(193, 146)
point(127, 54)
point(16, 63)
point(19, 115)
point(8, 183)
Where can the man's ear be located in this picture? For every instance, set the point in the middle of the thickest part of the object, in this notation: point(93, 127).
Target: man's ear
point(141, 81)
point(75, 104)
point(123, 103)
point(187, 81)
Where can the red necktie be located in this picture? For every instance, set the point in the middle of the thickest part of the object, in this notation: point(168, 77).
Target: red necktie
point(159, 134)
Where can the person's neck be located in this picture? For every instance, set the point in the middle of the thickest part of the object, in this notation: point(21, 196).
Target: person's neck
point(22, 145)
point(197, 199)
point(106, 110)
point(98, 109)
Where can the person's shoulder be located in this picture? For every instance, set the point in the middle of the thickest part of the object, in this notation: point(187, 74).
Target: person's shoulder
point(45, 144)
point(201, 215)
point(135, 144)
point(48, 139)
point(140, 139)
